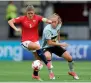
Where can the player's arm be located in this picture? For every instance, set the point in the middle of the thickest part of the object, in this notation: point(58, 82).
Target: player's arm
point(46, 20)
point(11, 23)
point(48, 37)
point(51, 43)
point(43, 19)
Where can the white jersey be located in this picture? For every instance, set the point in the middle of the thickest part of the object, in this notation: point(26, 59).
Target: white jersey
point(50, 33)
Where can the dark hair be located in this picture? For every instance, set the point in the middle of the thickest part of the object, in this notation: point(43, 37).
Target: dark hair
point(30, 7)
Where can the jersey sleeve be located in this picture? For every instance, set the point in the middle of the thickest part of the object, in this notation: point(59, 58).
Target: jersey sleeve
point(47, 34)
point(40, 18)
point(18, 19)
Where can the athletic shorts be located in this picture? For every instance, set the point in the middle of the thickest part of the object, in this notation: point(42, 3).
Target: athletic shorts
point(26, 43)
point(56, 50)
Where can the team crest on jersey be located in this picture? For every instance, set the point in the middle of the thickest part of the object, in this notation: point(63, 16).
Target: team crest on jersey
point(34, 20)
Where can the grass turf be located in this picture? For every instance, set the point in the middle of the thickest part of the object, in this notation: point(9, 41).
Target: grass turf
point(11, 71)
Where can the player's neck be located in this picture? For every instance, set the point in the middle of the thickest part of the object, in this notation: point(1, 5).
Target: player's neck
point(29, 17)
point(53, 27)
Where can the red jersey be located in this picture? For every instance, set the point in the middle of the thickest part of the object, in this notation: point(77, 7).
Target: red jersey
point(29, 27)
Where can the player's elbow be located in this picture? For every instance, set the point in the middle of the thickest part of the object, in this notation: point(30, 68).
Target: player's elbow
point(49, 42)
point(10, 21)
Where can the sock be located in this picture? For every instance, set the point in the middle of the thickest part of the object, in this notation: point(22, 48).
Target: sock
point(35, 73)
point(50, 61)
point(50, 70)
point(70, 63)
point(42, 56)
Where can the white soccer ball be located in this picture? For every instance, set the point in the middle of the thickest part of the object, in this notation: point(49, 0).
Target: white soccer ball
point(37, 65)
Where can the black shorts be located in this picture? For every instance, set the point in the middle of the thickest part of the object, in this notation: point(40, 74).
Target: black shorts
point(56, 50)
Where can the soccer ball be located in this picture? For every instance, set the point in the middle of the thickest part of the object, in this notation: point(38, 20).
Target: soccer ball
point(37, 65)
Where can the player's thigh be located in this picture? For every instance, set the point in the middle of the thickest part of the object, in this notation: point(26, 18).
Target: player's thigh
point(48, 55)
point(36, 56)
point(67, 56)
point(57, 50)
point(31, 45)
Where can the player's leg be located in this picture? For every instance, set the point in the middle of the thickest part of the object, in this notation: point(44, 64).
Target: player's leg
point(68, 57)
point(36, 55)
point(61, 52)
point(35, 72)
point(36, 46)
point(27, 45)
point(41, 55)
point(49, 58)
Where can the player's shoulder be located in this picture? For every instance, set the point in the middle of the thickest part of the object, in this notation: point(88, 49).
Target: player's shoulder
point(47, 27)
point(20, 17)
point(24, 16)
point(38, 16)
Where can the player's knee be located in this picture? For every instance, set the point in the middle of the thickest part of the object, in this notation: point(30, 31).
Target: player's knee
point(47, 55)
point(37, 47)
point(67, 56)
point(70, 59)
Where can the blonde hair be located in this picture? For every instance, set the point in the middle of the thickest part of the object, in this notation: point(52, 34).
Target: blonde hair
point(30, 8)
point(55, 15)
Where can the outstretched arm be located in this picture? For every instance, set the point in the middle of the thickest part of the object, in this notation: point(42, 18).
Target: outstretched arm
point(46, 20)
point(51, 43)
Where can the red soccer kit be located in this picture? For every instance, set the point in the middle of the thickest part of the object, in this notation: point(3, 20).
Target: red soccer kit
point(29, 27)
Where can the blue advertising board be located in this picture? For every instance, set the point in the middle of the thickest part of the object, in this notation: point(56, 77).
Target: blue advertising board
point(79, 50)
point(27, 55)
point(10, 50)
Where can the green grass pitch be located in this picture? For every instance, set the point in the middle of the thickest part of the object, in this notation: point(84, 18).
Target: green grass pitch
point(11, 71)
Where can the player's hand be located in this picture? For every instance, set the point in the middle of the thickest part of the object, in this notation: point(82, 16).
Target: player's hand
point(64, 44)
point(49, 21)
point(18, 30)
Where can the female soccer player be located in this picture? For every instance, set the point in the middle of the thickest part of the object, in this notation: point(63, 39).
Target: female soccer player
point(30, 38)
point(51, 44)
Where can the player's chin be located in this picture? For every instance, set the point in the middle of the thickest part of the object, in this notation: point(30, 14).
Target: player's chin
point(31, 16)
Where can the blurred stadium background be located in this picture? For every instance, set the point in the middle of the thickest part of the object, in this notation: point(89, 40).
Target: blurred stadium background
point(15, 62)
